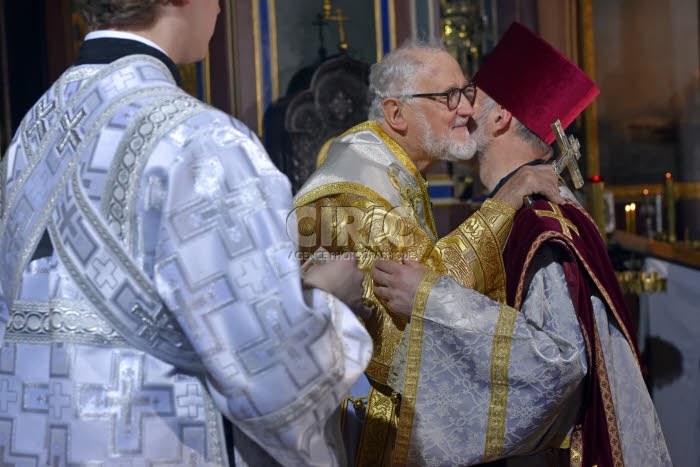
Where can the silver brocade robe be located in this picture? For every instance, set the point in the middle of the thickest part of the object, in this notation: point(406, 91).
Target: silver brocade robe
point(168, 223)
point(465, 336)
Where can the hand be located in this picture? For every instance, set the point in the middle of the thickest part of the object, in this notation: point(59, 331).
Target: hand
point(396, 283)
point(341, 277)
point(530, 180)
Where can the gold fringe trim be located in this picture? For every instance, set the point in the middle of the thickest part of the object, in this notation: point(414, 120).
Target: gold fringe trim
point(500, 360)
point(608, 403)
point(576, 452)
point(410, 388)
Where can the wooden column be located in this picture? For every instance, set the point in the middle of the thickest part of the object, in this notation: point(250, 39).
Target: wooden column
point(246, 83)
point(587, 63)
point(58, 23)
point(221, 61)
point(568, 26)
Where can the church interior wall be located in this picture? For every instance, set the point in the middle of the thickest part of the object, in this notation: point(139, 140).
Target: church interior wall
point(640, 76)
point(647, 62)
point(298, 41)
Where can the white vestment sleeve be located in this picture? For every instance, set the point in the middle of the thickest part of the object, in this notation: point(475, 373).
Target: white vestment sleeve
point(538, 357)
point(544, 355)
point(225, 266)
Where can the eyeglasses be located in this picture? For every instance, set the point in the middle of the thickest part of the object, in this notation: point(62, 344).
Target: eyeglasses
point(453, 96)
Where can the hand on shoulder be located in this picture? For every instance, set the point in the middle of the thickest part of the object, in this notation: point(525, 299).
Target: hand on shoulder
point(530, 180)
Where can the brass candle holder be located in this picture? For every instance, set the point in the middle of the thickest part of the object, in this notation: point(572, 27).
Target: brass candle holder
point(597, 202)
point(670, 201)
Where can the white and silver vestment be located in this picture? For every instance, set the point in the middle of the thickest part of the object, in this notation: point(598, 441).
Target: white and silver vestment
point(173, 292)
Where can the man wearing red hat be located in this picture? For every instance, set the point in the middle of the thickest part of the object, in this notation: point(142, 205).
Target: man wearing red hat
point(552, 370)
point(369, 197)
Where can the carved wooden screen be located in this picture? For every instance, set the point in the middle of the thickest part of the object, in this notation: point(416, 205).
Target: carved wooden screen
point(335, 100)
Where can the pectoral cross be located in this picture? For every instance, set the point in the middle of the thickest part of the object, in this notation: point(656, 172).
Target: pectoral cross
point(569, 155)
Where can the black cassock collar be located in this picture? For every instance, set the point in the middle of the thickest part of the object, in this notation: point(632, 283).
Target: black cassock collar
point(108, 49)
point(508, 177)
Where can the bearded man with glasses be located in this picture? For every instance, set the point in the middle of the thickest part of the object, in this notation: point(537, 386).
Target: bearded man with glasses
point(369, 196)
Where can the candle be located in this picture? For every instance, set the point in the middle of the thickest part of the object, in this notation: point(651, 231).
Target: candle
point(647, 214)
point(658, 213)
point(628, 218)
point(670, 207)
point(597, 202)
point(633, 218)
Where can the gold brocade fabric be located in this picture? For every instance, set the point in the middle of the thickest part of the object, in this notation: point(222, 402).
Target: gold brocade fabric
point(373, 202)
point(410, 389)
point(380, 426)
point(500, 362)
point(471, 254)
point(378, 233)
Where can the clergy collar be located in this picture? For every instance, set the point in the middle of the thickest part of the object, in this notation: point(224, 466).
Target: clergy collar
point(114, 34)
point(508, 177)
point(103, 50)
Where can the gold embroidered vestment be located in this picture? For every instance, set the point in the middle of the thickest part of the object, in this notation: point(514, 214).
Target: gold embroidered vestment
point(368, 198)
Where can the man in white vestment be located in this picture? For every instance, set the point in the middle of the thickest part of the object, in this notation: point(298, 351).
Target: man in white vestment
point(551, 374)
point(369, 197)
point(147, 279)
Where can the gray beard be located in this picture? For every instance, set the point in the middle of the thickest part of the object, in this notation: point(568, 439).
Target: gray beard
point(445, 149)
point(479, 136)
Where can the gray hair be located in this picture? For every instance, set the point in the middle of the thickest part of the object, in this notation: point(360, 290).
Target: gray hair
point(395, 74)
point(524, 133)
point(528, 137)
